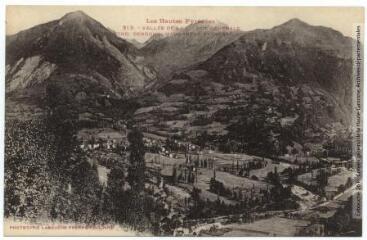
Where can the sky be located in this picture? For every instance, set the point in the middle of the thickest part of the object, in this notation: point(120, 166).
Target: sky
point(116, 18)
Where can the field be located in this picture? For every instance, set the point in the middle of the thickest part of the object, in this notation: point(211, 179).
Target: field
point(100, 133)
point(275, 226)
point(341, 178)
point(164, 160)
point(307, 198)
point(204, 175)
point(298, 160)
point(263, 172)
point(229, 180)
point(334, 181)
point(103, 174)
point(228, 158)
point(307, 178)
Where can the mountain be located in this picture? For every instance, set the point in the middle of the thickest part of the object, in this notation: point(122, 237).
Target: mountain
point(193, 44)
point(154, 38)
point(135, 42)
point(79, 54)
point(294, 53)
point(291, 83)
point(238, 91)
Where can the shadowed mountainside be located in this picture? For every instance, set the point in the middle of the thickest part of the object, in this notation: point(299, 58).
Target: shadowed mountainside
point(292, 82)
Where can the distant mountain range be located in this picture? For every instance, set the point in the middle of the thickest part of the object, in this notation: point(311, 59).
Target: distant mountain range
point(136, 43)
point(293, 76)
point(195, 43)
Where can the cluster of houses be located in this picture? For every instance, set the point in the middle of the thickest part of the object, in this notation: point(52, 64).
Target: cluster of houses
point(338, 162)
point(106, 140)
point(160, 146)
point(99, 144)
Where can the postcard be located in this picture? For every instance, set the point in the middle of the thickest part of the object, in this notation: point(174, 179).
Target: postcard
point(183, 121)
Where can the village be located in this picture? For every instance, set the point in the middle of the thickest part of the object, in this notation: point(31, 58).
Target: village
point(313, 188)
point(204, 129)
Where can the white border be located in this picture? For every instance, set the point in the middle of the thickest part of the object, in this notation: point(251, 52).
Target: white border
point(157, 3)
point(192, 2)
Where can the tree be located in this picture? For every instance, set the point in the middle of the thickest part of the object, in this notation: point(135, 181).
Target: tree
point(343, 223)
point(197, 208)
point(253, 177)
point(273, 177)
point(136, 175)
point(349, 182)
point(28, 148)
point(116, 200)
point(75, 182)
point(136, 179)
point(322, 180)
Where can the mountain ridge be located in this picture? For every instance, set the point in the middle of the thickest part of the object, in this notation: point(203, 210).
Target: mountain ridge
point(297, 88)
point(75, 44)
point(192, 44)
point(214, 83)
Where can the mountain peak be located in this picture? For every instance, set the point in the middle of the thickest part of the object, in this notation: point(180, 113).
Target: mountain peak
point(294, 22)
point(77, 16)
